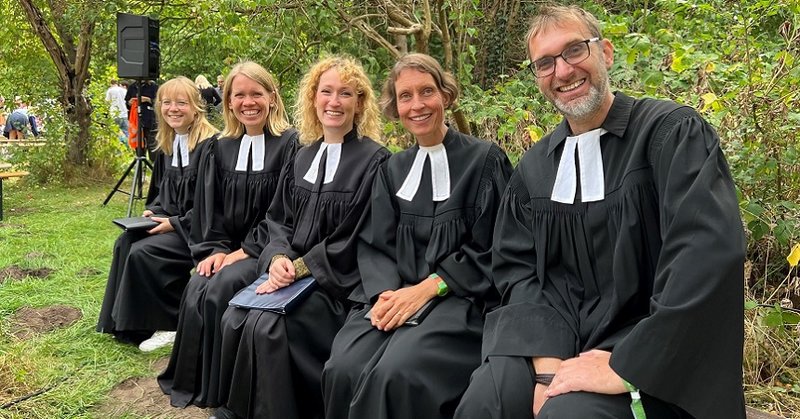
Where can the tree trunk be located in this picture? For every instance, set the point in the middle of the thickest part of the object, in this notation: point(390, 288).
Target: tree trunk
point(72, 67)
point(78, 115)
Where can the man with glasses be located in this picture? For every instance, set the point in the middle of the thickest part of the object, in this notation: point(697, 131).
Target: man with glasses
point(618, 252)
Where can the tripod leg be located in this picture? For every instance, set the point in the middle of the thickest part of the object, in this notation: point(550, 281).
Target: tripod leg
point(119, 182)
point(137, 173)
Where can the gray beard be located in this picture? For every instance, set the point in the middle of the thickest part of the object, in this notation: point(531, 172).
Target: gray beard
point(586, 107)
point(583, 107)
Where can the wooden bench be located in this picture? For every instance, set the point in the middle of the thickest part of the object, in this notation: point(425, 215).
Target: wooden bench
point(4, 176)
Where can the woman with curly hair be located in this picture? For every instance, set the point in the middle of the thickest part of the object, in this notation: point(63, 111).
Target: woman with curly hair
point(276, 360)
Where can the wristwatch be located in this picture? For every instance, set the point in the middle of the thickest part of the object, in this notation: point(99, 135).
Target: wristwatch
point(441, 287)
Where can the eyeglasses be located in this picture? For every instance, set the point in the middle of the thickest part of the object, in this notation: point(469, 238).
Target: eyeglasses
point(573, 54)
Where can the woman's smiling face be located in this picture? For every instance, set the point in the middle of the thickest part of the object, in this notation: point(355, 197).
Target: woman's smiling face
point(250, 103)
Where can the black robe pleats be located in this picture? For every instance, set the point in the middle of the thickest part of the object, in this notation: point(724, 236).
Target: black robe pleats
point(420, 372)
point(230, 204)
point(276, 360)
point(149, 272)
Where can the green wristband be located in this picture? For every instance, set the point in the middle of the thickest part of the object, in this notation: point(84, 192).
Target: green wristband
point(441, 287)
point(636, 401)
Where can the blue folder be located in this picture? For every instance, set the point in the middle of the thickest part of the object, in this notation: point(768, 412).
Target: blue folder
point(281, 301)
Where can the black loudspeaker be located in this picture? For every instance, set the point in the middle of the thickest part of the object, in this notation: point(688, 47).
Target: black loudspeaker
point(138, 54)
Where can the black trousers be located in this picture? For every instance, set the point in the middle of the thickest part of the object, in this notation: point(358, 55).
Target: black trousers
point(502, 388)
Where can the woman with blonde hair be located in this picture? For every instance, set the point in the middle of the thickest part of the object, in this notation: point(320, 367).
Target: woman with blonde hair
point(151, 268)
point(208, 93)
point(273, 363)
point(239, 179)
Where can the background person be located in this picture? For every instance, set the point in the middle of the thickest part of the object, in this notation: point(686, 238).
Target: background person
point(117, 108)
point(621, 268)
point(209, 93)
point(18, 121)
point(147, 119)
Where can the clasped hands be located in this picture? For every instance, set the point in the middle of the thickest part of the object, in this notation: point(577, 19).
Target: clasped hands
point(590, 372)
point(214, 263)
point(394, 307)
point(281, 274)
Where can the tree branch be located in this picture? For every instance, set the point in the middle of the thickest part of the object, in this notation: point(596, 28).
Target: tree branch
point(424, 36)
point(446, 41)
point(415, 28)
point(50, 43)
point(366, 29)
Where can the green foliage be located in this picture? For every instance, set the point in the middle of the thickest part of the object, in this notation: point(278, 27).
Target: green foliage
point(735, 62)
point(44, 161)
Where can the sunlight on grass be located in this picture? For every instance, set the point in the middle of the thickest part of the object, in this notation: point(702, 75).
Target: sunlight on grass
point(68, 231)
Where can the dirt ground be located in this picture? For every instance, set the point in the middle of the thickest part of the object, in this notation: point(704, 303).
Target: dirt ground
point(28, 322)
point(139, 396)
point(16, 273)
point(142, 397)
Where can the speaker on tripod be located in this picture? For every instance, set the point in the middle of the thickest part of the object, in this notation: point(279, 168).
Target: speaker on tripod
point(138, 57)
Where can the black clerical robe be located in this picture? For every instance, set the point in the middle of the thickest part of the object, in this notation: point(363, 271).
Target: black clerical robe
point(149, 272)
point(230, 204)
point(653, 273)
point(272, 363)
point(421, 371)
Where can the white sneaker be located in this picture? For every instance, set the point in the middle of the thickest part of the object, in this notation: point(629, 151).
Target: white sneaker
point(160, 339)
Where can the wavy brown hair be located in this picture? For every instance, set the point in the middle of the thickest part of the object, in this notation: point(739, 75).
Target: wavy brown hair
point(426, 64)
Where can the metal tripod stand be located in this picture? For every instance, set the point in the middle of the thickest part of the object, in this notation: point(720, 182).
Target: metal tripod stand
point(139, 164)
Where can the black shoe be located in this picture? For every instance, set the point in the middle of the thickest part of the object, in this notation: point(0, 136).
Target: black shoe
point(223, 413)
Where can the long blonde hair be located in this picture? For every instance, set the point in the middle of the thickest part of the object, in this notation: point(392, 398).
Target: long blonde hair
point(199, 130)
point(367, 122)
point(202, 82)
point(277, 122)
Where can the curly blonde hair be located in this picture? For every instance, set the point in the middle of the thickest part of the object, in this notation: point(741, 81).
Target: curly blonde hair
point(367, 121)
point(277, 122)
point(200, 129)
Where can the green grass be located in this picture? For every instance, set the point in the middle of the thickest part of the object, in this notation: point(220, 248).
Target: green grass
point(69, 231)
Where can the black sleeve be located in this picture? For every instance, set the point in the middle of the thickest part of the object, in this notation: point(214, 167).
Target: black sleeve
point(377, 241)
point(277, 228)
point(696, 319)
point(185, 220)
point(216, 97)
point(34, 127)
point(207, 231)
point(333, 261)
point(467, 271)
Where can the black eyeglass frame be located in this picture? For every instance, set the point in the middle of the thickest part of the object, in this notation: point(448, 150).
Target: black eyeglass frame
point(532, 65)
